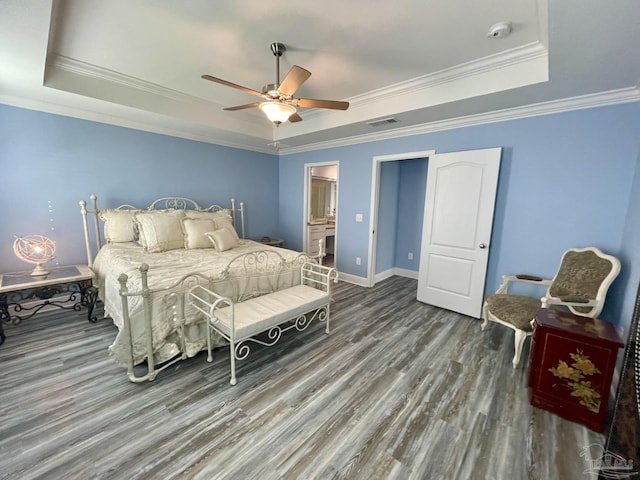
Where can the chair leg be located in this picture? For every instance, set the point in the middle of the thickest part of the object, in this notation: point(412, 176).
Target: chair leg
point(519, 342)
point(485, 318)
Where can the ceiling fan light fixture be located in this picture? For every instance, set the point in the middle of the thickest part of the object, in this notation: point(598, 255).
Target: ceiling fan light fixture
point(277, 112)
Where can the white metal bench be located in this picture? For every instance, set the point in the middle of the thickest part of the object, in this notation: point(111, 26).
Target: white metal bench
point(258, 304)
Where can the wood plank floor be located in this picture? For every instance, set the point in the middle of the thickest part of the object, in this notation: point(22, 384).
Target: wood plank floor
point(398, 390)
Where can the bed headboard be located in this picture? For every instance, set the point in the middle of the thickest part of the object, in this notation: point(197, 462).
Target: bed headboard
point(164, 203)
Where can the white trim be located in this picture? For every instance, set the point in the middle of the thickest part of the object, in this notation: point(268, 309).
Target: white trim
point(373, 207)
point(77, 67)
point(497, 61)
point(593, 100)
point(220, 138)
point(395, 272)
point(405, 272)
point(379, 277)
point(355, 279)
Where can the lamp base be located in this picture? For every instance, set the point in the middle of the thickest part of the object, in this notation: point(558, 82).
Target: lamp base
point(39, 271)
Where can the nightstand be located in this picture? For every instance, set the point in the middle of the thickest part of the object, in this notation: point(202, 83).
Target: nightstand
point(23, 295)
point(571, 365)
point(273, 242)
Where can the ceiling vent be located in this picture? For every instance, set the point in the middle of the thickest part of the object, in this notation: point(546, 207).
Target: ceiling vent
point(383, 121)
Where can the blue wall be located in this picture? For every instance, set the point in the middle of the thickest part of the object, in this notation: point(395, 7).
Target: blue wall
point(565, 180)
point(50, 162)
point(621, 301)
point(401, 205)
point(412, 188)
point(387, 216)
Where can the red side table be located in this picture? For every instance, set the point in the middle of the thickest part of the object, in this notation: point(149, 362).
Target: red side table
point(571, 365)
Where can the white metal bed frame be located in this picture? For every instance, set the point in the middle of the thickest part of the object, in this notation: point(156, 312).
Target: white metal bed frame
point(173, 301)
point(164, 203)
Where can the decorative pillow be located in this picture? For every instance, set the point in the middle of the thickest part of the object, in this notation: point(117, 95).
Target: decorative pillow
point(118, 225)
point(194, 232)
point(160, 231)
point(225, 224)
point(222, 239)
point(199, 214)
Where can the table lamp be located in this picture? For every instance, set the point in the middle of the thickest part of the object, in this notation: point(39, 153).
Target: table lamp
point(35, 249)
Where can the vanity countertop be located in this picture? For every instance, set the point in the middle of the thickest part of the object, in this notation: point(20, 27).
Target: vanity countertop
point(322, 221)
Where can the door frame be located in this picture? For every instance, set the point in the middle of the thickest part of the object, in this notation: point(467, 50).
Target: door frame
point(307, 203)
point(375, 197)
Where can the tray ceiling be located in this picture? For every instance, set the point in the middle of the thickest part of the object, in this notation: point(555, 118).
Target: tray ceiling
point(429, 65)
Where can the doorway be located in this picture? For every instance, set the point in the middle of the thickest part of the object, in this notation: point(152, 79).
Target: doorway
point(320, 231)
point(375, 204)
point(460, 195)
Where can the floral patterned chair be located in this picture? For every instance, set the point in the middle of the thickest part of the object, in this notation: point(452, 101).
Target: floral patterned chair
point(580, 285)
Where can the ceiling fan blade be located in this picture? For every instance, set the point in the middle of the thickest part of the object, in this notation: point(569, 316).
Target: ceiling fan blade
point(311, 103)
point(242, 107)
point(296, 77)
point(295, 118)
point(232, 85)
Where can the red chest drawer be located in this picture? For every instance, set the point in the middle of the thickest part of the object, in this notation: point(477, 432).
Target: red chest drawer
point(571, 365)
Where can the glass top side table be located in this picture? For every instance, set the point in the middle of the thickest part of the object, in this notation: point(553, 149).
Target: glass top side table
point(23, 295)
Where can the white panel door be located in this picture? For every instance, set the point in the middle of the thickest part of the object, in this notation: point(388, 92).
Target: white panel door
point(458, 216)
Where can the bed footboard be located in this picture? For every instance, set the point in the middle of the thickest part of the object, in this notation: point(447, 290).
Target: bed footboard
point(174, 302)
point(160, 326)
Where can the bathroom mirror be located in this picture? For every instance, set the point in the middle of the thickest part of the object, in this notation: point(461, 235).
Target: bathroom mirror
point(323, 198)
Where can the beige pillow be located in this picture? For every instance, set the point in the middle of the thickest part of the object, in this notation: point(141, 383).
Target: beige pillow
point(225, 224)
point(160, 231)
point(194, 232)
point(200, 214)
point(118, 225)
point(222, 239)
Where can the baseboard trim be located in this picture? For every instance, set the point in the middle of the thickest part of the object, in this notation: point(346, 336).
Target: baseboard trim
point(355, 279)
point(379, 277)
point(405, 272)
point(395, 271)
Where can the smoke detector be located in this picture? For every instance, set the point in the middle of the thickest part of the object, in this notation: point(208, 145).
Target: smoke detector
point(500, 29)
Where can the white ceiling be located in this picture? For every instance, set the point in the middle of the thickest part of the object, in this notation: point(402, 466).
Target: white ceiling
point(427, 63)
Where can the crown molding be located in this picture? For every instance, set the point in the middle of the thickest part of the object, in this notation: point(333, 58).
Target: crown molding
point(93, 116)
point(77, 67)
point(222, 138)
point(613, 97)
point(498, 61)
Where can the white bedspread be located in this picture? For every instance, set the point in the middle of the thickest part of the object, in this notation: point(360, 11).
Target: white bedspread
point(165, 269)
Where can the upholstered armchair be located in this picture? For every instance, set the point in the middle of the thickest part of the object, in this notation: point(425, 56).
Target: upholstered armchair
point(580, 285)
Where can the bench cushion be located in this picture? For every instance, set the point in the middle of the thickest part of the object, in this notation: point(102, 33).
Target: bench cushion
point(258, 314)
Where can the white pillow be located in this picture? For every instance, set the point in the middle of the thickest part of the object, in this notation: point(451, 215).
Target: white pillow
point(222, 239)
point(225, 224)
point(160, 231)
point(194, 232)
point(118, 225)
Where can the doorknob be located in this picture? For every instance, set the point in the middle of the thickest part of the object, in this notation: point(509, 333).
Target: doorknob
point(483, 245)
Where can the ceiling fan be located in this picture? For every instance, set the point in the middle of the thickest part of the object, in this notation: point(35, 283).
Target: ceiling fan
point(279, 105)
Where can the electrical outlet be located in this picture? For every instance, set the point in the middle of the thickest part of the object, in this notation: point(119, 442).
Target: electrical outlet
point(358, 260)
point(410, 256)
point(358, 217)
